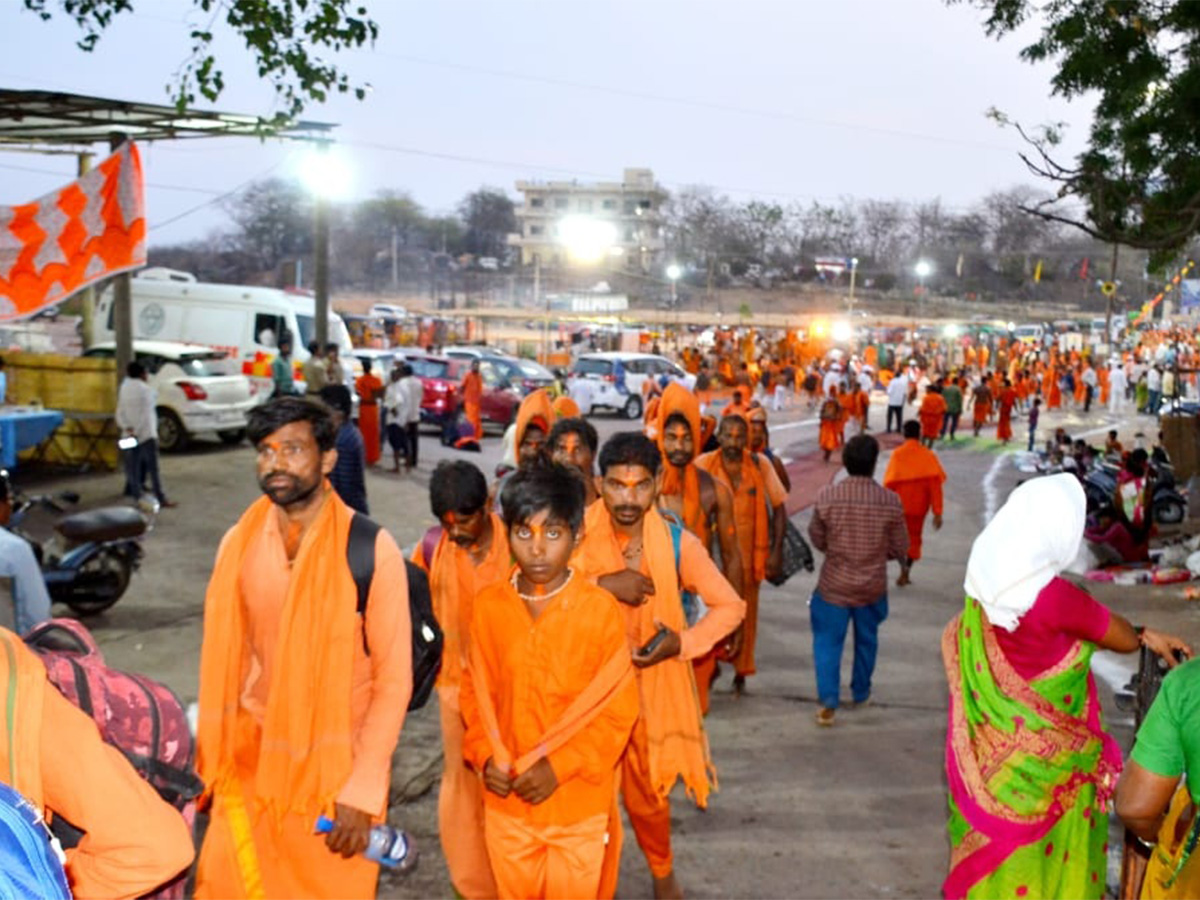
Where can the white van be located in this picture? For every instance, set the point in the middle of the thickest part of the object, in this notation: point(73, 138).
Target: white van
point(245, 322)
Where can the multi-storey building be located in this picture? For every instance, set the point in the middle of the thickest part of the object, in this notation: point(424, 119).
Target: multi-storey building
point(627, 213)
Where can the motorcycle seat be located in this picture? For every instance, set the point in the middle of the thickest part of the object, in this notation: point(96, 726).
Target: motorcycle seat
point(109, 523)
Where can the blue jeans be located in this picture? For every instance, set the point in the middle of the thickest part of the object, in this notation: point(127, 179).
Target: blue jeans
point(829, 625)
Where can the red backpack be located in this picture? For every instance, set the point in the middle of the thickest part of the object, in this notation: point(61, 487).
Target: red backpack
point(135, 714)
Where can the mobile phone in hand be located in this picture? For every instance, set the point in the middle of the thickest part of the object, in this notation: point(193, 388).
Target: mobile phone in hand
point(655, 642)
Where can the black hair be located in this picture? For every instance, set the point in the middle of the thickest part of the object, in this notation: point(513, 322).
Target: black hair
point(912, 429)
point(331, 347)
point(736, 420)
point(860, 454)
point(135, 369)
point(314, 348)
point(630, 448)
point(406, 370)
point(574, 425)
point(366, 364)
point(337, 397)
point(551, 487)
point(677, 418)
point(265, 420)
point(457, 486)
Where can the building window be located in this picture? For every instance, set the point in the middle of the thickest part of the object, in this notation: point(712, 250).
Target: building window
point(536, 202)
point(645, 204)
point(630, 236)
point(609, 204)
point(629, 207)
point(535, 230)
point(585, 206)
point(560, 202)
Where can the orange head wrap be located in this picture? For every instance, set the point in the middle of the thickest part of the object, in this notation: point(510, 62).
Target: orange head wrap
point(536, 409)
point(566, 408)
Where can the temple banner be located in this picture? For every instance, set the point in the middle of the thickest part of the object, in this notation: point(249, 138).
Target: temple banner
point(92, 228)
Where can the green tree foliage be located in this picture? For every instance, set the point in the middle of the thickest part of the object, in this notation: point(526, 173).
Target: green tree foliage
point(489, 217)
point(1139, 178)
point(285, 38)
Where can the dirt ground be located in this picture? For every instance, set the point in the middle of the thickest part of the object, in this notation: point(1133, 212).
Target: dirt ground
point(857, 810)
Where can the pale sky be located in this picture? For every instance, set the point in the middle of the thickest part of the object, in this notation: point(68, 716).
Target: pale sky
point(773, 99)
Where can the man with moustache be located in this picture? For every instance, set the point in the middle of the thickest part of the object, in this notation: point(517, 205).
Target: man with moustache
point(759, 515)
point(302, 694)
point(470, 554)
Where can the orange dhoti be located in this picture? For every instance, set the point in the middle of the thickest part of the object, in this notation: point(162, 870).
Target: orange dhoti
point(460, 812)
point(704, 668)
point(649, 813)
point(545, 860)
point(292, 861)
point(368, 424)
point(915, 525)
point(474, 415)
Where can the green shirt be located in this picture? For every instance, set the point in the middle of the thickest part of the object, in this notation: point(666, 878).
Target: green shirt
point(953, 397)
point(1168, 743)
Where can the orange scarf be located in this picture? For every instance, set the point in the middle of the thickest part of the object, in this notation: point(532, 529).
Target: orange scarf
point(679, 401)
point(670, 708)
point(713, 464)
point(535, 409)
point(911, 461)
point(306, 753)
point(447, 606)
point(22, 692)
point(590, 703)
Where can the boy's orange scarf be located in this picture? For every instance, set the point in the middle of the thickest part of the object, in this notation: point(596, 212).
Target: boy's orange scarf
point(306, 754)
point(22, 692)
point(670, 708)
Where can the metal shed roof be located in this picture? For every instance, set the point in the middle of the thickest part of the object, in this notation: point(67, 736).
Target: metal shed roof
point(48, 117)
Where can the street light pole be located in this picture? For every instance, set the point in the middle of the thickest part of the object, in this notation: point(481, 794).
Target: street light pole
point(537, 302)
point(853, 272)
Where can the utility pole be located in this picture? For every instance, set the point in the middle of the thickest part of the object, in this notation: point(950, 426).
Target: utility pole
point(1108, 297)
point(87, 297)
point(395, 260)
point(122, 310)
point(321, 259)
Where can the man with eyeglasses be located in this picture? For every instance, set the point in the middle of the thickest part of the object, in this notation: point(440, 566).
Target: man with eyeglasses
point(302, 691)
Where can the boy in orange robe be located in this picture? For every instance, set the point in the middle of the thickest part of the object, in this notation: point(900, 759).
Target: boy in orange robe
point(629, 550)
point(369, 389)
point(549, 699)
point(470, 554)
point(932, 412)
point(301, 698)
point(915, 474)
point(472, 398)
point(53, 756)
point(703, 504)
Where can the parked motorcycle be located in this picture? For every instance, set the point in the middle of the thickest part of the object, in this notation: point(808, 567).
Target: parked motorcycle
point(1167, 505)
point(88, 562)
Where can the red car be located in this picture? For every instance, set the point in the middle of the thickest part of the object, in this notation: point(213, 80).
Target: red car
point(441, 376)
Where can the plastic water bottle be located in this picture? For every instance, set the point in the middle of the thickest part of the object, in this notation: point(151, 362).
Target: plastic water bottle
point(387, 846)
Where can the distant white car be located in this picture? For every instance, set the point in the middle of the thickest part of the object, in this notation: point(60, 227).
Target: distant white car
point(198, 389)
point(599, 389)
point(388, 311)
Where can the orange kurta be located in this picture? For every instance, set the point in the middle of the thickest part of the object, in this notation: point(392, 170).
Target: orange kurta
point(931, 413)
point(472, 398)
point(757, 493)
point(831, 422)
point(455, 582)
point(368, 388)
point(294, 712)
point(134, 842)
point(915, 474)
point(534, 670)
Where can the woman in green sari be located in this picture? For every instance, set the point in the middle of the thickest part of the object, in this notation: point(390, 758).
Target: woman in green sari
point(1029, 766)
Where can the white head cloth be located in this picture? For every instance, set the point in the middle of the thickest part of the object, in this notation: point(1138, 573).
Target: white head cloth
point(1033, 537)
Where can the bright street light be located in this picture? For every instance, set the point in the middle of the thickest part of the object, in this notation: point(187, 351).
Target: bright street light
point(324, 172)
point(673, 272)
point(841, 331)
point(924, 269)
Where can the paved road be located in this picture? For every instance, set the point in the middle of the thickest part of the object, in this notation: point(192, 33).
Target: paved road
point(852, 811)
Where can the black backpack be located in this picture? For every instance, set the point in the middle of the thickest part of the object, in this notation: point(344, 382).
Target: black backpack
point(426, 633)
